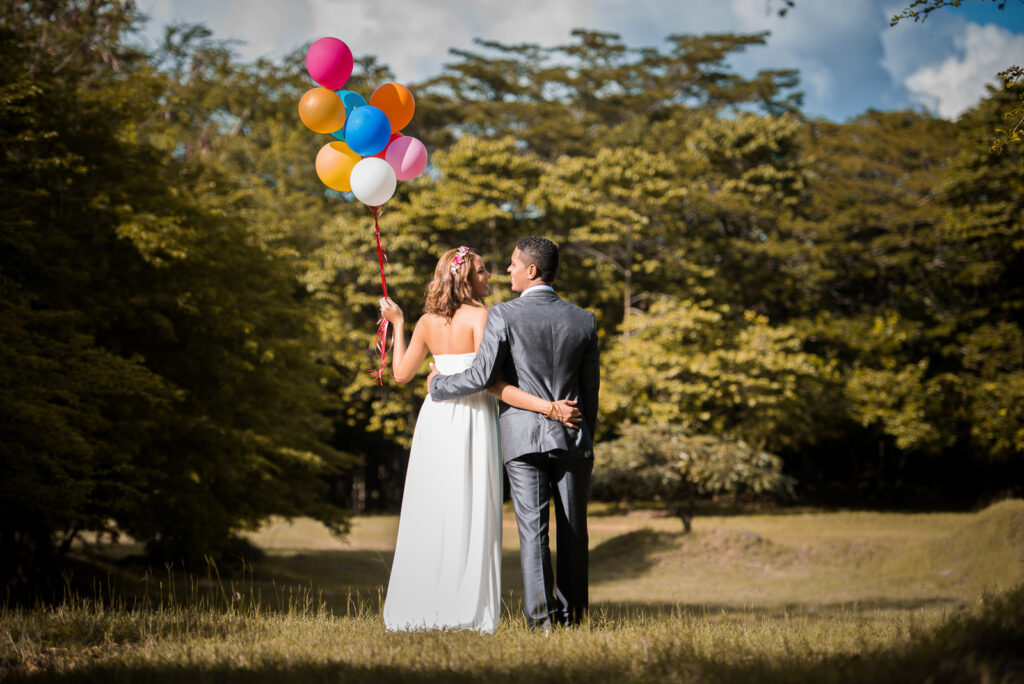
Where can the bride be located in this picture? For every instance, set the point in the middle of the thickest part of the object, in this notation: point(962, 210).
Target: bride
point(447, 567)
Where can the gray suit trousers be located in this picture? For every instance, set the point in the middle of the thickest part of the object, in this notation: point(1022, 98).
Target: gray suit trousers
point(536, 479)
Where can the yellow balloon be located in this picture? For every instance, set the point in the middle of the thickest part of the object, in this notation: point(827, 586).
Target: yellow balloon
point(322, 110)
point(334, 164)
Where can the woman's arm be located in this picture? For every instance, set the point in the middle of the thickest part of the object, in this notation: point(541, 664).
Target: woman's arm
point(563, 410)
point(404, 361)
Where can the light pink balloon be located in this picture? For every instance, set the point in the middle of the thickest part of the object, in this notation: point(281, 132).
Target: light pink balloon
point(407, 156)
point(329, 62)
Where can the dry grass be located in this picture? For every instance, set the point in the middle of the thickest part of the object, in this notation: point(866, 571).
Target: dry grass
point(805, 597)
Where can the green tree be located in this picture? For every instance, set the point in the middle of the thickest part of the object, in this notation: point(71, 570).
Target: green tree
point(163, 364)
point(574, 99)
point(662, 462)
point(615, 213)
point(714, 372)
point(76, 414)
point(860, 284)
point(983, 232)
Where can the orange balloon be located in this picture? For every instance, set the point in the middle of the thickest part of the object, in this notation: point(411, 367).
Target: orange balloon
point(322, 110)
point(397, 102)
point(334, 164)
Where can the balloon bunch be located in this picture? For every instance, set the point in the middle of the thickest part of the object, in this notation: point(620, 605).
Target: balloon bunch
point(369, 154)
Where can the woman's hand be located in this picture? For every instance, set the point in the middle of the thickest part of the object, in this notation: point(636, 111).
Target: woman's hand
point(566, 413)
point(391, 311)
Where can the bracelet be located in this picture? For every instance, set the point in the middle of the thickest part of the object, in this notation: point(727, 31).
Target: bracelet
point(551, 411)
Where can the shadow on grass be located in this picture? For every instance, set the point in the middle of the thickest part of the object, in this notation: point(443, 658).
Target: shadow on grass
point(629, 554)
point(346, 579)
point(614, 614)
point(343, 672)
point(341, 576)
point(725, 509)
point(728, 508)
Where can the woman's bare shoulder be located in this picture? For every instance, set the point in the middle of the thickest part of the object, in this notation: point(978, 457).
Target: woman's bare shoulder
point(431, 320)
point(472, 311)
point(428, 327)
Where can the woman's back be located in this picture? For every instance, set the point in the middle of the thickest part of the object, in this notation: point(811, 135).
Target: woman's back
point(460, 335)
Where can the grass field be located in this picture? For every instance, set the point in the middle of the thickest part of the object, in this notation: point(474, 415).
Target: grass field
point(805, 597)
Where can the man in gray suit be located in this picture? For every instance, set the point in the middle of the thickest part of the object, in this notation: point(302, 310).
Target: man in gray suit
point(548, 347)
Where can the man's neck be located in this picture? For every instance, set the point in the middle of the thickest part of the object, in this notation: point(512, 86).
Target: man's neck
point(541, 285)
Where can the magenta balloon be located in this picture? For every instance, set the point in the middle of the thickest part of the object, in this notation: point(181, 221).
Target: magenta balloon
point(329, 62)
point(407, 156)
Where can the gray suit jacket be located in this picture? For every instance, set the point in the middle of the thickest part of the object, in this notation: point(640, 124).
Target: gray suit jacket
point(547, 347)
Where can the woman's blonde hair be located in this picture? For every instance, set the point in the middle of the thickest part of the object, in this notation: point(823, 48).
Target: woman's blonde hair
point(450, 288)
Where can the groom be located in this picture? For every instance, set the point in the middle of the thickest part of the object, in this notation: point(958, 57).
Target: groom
point(548, 347)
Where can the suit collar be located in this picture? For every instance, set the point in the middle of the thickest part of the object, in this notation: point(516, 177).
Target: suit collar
point(534, 290)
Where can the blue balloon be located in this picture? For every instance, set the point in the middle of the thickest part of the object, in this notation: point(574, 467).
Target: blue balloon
point(350, 99)
point(367, 130)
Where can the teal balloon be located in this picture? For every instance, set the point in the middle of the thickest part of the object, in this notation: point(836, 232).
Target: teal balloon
point(350, 99)
point(367, 130)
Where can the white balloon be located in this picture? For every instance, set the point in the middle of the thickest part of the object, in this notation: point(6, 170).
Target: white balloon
point(373, 181)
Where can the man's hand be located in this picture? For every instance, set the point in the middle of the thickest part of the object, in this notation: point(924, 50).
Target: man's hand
point(430, 378)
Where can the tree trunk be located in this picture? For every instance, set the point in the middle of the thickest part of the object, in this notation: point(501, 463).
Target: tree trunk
point(627, 290)
point(685, 513)
point(495, 258)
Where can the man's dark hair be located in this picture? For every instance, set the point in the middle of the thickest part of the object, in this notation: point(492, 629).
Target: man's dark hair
point(543, 254)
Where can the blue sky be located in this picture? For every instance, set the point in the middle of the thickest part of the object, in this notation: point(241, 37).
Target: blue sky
point(849, 58)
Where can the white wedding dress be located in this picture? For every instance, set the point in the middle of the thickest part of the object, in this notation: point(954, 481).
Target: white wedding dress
point(447, 568)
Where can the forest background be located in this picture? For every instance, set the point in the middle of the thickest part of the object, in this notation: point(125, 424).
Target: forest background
point(827, 313)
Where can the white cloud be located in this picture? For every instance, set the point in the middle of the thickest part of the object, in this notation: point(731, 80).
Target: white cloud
point(536, 21)
point(909, 46)
point(959, 81)
point(410, 37)
point(835, 49)
point(270, 29)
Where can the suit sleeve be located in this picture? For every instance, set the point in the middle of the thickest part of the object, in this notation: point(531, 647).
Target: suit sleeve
point(590, 379)
point(486, 366)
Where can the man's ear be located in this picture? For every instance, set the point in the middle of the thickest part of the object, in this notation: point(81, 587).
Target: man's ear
point(531, 271)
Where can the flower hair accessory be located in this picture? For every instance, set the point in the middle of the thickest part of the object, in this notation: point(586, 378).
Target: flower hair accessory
point(460, 258)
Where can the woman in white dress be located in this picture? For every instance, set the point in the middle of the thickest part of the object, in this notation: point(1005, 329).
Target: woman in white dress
point(446, 572)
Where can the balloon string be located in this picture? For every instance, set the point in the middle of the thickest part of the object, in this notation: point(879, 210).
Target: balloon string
point(382, 251)
point(380, 343)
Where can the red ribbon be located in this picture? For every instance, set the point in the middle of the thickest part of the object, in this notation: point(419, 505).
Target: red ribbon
point(381, 343)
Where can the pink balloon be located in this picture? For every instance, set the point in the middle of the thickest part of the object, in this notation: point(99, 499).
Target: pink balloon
point(407, 156)
point(329, 62)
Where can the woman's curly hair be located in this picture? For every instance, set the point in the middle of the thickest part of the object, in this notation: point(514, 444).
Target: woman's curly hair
point(450, 288)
